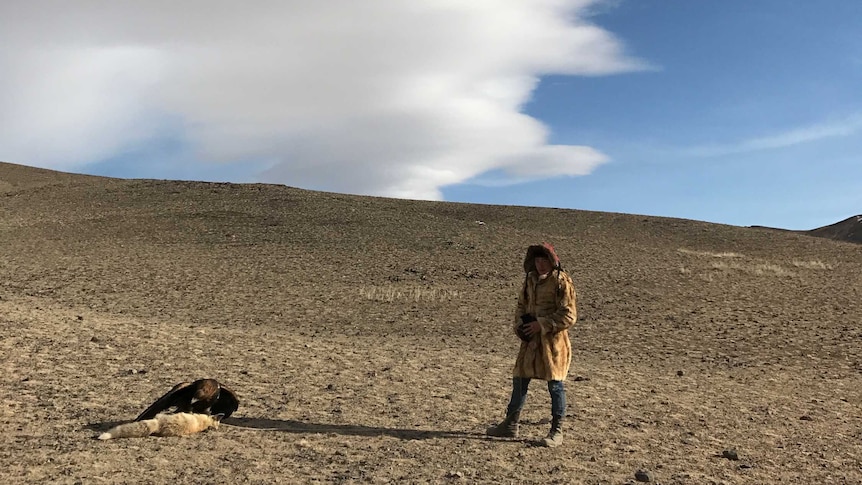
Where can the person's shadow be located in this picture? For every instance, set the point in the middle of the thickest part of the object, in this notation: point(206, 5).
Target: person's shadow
point(291, 426)
point(299, 427)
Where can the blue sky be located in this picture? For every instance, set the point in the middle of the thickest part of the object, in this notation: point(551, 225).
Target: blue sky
point(734, 112)
point(752, 116)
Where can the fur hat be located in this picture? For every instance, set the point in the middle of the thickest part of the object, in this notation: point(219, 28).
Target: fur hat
point(544, 250)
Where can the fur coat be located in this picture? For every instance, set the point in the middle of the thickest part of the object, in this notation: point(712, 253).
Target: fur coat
point(553, 301)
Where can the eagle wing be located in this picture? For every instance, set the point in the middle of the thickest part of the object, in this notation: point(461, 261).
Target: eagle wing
point(180, 396)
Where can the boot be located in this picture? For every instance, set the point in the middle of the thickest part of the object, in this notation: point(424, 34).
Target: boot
point(508, 428)
point(555, 436)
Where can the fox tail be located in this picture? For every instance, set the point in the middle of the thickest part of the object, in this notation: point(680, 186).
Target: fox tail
point(135, 429)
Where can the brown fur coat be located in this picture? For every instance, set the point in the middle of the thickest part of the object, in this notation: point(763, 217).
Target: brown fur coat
point(554, 302)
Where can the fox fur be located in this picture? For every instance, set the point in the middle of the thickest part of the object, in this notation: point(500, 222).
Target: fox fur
point(179, 424)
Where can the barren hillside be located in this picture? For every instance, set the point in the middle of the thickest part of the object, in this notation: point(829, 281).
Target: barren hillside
point(367, 339)
point(849, 229)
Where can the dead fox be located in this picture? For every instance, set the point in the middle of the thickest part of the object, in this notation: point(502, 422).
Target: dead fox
point(179, 424)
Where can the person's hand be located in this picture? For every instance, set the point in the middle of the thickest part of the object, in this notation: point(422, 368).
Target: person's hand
point(533, 328)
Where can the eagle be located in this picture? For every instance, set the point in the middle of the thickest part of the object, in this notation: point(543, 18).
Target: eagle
point(203, 396)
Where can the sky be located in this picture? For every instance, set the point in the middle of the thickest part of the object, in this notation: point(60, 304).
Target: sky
point(742, 112)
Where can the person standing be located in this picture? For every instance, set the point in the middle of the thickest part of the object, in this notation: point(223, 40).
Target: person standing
point(547, 307)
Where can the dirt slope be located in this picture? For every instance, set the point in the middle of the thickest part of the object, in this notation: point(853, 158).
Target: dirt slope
point(849, 230)
point(367, 339)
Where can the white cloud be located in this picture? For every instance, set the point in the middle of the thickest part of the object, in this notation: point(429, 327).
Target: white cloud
point(61, 106)
point(380, 97)
point(806, 134)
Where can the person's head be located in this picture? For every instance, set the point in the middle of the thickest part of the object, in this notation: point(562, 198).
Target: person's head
point(541, 258)
point(543, 265)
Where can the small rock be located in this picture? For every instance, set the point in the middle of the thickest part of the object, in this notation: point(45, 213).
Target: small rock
point(730, 454)
point(455, 475)
point(680, 373)
point(95, 339)
point(643, 476)
point(80, 318)
point(581, 379)
point(806, 417)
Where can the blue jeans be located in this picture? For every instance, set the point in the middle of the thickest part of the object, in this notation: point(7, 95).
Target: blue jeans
point(519, 396)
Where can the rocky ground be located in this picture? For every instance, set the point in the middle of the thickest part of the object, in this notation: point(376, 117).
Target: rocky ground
point(368, 339)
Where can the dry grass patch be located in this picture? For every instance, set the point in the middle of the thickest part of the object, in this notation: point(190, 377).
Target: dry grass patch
point(710, 253)
point(811, 264)
point(390, 294)
point(755, 268)
point(759, 269)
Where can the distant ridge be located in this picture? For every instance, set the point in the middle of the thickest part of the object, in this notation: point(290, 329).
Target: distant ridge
point(16, 177)
point(849, 230)
point(21, 177)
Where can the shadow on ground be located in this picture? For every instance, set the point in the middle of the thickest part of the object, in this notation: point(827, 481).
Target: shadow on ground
point(291, 426)
point(105, 426)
